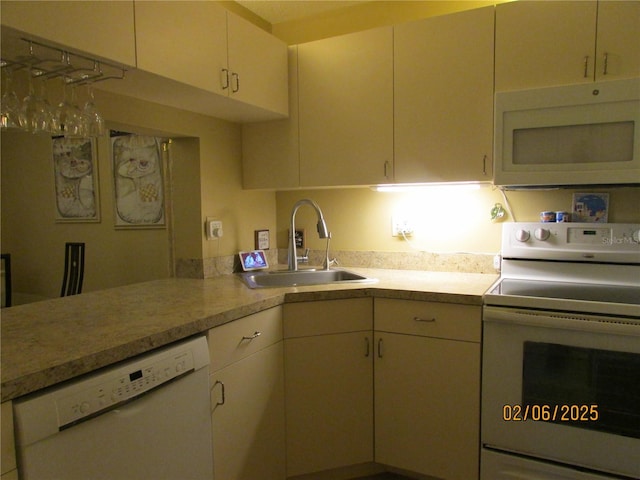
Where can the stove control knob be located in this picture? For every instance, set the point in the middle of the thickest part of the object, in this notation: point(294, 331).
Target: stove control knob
point(541, 234)
point(636, 236)
point(522, 235)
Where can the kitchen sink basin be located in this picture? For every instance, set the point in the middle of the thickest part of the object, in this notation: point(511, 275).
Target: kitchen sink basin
point(287, 278)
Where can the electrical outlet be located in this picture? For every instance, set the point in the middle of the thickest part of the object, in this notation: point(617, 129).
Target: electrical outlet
point(497, 262)
point(401, 226)
point(213, 228)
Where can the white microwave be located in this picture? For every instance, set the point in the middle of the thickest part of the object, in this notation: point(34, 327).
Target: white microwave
point(586, 134)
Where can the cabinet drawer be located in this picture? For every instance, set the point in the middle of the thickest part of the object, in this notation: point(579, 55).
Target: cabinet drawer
point(327, 317)
point(429, 319)
point(243, 337)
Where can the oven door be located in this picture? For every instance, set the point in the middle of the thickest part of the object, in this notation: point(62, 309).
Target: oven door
point(563, 387)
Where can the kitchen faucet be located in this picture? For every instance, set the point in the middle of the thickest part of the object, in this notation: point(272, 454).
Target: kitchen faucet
point(322, 230)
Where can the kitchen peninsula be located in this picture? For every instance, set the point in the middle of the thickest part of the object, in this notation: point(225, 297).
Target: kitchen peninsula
point(48, 342)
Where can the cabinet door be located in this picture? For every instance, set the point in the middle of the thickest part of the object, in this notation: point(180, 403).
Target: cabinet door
point(329, 404)
point(427, 405)
point(540, 44)
point(618, 40)
point(443, 91)
point(185, 41)
point(248, 418)
point(103, 29)
point(270, 156)
point(346, 109)
point(8, 458)
point(258, 66)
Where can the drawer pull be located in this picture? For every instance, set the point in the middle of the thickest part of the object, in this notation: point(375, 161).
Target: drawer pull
point(427, 320)
point(223, 399)
point(256, 334)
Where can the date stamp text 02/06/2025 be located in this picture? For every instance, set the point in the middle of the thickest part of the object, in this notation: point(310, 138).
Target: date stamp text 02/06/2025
point(550, 413)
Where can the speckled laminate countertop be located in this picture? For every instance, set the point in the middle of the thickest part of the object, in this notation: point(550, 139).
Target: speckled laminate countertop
point(48, 342)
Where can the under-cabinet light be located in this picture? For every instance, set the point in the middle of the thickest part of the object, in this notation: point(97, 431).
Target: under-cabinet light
point(424, 187)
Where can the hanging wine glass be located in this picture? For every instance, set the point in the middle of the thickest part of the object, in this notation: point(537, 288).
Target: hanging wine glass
point(95, 122)
point(10, 110)
point(33, 110)
point(49, 113)
point(67, 117)
point(81, 119)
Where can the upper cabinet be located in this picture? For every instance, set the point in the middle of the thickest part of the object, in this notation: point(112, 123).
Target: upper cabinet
point(202, 45)
point(369, 113)
point(443, 94)
point(257, 66)
point(541, 44)
point(618, 43)
point(191, 55)
point(346, 109)
point(98, 28)
point(183, 41)
point(270, 153)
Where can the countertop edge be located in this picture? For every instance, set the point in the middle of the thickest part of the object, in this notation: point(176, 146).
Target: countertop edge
point(77, 367)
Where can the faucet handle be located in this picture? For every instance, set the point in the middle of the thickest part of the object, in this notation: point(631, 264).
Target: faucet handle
point(304, 258)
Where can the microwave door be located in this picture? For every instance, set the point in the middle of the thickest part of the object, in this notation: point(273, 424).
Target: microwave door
point(573, 135)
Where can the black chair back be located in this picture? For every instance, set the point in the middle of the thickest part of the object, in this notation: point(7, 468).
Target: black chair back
point(73, 269)
point(6, 267)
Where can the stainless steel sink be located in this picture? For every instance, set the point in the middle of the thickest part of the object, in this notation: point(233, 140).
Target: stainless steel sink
point(287, 278)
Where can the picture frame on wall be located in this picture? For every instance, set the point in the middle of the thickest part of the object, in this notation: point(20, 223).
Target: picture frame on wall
point(75, 172)
point(138, 180)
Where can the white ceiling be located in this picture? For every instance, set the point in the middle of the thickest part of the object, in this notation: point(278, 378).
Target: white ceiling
point(277, 11)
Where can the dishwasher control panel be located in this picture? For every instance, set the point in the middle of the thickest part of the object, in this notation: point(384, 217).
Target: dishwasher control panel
point(109, 390)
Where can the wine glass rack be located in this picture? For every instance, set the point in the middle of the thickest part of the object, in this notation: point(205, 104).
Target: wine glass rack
point(46, 61)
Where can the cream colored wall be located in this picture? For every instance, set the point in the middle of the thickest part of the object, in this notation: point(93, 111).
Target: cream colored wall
point(36, 242)
point(207, 181)
point(447, 220)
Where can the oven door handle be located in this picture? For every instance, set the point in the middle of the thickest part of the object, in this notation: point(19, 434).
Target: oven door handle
point(563, 320)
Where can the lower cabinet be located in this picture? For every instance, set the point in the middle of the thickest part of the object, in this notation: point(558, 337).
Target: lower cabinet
point(247, 398)
point(427, 387)
point(8, 458)
point(328, 351)
point(365, 382)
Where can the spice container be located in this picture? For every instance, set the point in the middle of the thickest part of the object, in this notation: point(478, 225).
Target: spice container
point(547, 217)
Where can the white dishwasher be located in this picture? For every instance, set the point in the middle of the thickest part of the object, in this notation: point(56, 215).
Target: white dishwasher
point(148, 418)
